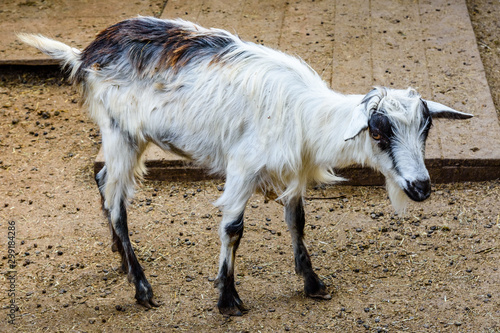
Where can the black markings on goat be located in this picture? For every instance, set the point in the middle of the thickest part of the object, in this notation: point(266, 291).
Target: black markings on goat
point(229, 301)
point(235, 228)
point(426, 120)
point(381, 129)
point(147, 43)
point(295, 219)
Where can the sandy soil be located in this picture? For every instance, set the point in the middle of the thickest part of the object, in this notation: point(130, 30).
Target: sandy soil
point(434, 270)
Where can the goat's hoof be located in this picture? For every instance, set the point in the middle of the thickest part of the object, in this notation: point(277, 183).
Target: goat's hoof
point(144, 294)
point(325, 295)
point(235, 310)
point(231, 305)
point(149, 303)
point(320, 293)
point(122, 269)
point(317, 289)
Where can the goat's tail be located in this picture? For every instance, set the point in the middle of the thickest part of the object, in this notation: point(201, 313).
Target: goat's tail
point(68, 56)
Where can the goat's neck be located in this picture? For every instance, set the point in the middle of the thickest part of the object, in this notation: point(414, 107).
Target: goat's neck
point(325, 128)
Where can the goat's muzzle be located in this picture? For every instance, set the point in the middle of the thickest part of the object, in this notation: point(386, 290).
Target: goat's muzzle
point(418, 190)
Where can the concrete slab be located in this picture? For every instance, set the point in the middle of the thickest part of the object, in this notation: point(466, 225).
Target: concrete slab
point(353, 44)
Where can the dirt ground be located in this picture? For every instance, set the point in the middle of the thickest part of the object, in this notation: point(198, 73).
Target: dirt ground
point(434, 270)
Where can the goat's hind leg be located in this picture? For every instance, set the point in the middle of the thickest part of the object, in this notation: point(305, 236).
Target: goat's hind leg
point(295, 219)
point(116, 245)
point(116, 182)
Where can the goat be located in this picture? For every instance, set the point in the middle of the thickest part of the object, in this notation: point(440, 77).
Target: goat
point(261, 118)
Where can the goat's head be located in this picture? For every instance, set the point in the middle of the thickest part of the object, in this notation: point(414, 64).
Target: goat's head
point(397, 123)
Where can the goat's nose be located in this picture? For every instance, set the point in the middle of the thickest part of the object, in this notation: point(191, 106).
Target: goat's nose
point(419, 190)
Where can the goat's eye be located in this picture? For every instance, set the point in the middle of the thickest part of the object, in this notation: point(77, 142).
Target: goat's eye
point(376, 136)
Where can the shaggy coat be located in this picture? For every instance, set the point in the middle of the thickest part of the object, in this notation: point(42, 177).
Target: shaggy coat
point(261, 118)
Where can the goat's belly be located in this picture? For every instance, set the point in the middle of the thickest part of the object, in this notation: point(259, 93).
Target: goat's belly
point(207, 153)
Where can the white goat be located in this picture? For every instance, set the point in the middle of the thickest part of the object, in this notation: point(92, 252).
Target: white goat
point(261, 118)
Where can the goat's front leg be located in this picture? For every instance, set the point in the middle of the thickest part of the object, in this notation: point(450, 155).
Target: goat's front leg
point(238, 190)
point(231, 231)
point(295, 219)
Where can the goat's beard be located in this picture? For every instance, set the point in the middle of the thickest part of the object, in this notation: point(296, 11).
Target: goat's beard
point(397, 195)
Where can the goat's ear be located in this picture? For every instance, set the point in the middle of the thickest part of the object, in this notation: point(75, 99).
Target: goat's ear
point(358, 123)
point(438, 110)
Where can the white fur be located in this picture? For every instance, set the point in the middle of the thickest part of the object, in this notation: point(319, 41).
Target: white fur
point(267, 118)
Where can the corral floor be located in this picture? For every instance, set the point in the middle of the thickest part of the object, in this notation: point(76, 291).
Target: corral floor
point(436, 269)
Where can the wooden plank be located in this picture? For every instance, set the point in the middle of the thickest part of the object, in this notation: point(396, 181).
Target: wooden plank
point(186, 10)
point(456, 78)
point(352, 56)
point(169, 167)
point(262, 21)
point(308, 32)
point(71, 21)
point(221, 14)
point(398, 58)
